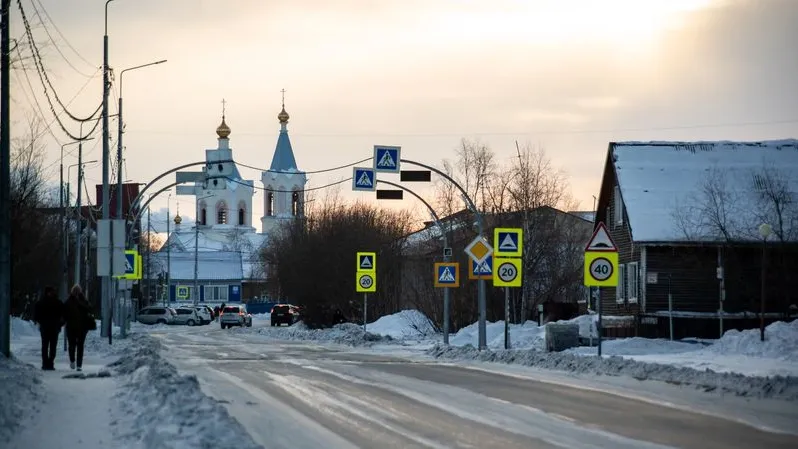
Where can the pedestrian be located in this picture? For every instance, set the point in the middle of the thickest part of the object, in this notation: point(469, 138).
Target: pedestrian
point(79, 321)
point(49, 314)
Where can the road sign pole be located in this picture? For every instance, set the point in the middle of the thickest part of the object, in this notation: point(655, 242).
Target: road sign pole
point(365, 314)
point(507, 343)
point(446, 316)
point(598, 327)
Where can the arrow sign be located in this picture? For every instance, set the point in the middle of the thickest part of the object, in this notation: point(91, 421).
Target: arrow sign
point(386, 159)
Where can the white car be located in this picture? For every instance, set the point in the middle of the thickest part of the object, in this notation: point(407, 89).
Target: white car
point(204, 314)
point(235, 316)
point(187, 315)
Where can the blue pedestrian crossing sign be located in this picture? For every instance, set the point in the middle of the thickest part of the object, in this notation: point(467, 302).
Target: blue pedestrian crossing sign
point(364, 179)
point(481, 270)
point(387, 158)
point(447, 274)
point(132, 265)
point(508, 242)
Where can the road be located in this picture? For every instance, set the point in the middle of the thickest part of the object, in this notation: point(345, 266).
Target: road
point(297, 395)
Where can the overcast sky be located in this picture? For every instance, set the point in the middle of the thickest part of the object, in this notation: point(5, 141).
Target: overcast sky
point(568, 75)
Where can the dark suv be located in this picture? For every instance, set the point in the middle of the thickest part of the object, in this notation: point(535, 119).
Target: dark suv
point(284, 314)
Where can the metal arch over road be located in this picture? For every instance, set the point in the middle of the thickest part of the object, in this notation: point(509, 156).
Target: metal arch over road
point(483, 305)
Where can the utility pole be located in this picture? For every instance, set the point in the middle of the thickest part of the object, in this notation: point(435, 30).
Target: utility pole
point(106, 209)
point(149, 250)
point(79, 214)
point(168, 254)
point(5, 181)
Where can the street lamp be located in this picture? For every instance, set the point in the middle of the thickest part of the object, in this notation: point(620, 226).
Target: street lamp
point(765, 230)
point(79, 214)
point(62, 290)
point(119, 137)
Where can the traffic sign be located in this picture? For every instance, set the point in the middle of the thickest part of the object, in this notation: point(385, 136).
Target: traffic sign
point(366, 282)
point(132, 265)
point(507, 272)
point(508, 242)
point(367, 262)
point(601, 240)
point(481, 270)
point(181, 292)
point(364, 179)
point(601, 269)
point(479, 249)
point(447, 274)
point(387, 158)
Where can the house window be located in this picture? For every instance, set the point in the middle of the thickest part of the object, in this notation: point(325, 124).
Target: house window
point(215, 293)
point(221, 213)
point(270, 204)
point(620, 290)
point(632, 281)
point(618, 205)
point(295, 203)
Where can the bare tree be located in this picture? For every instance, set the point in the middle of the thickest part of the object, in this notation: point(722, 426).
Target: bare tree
point(776, 203)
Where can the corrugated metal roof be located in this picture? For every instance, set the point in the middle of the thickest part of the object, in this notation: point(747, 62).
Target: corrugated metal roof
point(211, 265)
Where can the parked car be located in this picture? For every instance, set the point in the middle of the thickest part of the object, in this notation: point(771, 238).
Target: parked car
point(156, 315)
point(284, 314)
point(205, 314)
point(235, 316)
point(187, 316)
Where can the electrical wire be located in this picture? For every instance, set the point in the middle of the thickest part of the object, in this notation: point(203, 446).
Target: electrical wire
point(306, 172)
point(57, 48)
point(62, 34)
point(289, 191)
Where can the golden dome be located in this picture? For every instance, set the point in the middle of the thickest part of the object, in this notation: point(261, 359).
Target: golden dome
point(178, 219)
point(223, 130)
point(283, 116)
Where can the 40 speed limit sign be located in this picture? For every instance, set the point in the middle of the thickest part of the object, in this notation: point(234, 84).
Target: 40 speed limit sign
point(601, 269)
point(366, 282)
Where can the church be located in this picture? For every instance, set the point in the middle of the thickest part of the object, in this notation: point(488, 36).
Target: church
point(220, 254)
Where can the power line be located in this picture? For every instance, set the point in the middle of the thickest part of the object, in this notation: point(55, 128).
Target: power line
point(62, 35)
point(55, 44)
point(290, 191)
point(306, 172)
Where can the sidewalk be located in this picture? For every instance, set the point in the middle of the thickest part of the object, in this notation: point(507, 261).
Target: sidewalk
point(76, 412)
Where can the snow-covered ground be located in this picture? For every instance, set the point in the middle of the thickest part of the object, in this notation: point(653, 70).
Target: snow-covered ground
point(127, 396)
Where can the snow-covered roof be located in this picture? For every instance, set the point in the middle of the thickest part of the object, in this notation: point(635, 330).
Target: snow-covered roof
point(662, 186)
point(247, 243)
point(211, 265)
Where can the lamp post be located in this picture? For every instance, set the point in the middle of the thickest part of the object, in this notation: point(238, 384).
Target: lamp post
point(167, 298)
point(80, 165)
point(119, 137)
point(765, 230)
point(62, 289)
point(106, 209)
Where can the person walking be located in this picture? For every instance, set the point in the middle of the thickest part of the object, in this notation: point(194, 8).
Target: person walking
point(79, 321)
point(49, 314)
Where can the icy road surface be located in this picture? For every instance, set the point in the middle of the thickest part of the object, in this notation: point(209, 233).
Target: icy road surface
point(298, 395)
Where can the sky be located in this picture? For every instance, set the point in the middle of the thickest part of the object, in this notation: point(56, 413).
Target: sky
point(569, 76)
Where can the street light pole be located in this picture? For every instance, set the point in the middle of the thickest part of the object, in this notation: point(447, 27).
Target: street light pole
point(765, 230)
point(79, 232)
point(106, 210)
point(168, 254)
point(62, 288)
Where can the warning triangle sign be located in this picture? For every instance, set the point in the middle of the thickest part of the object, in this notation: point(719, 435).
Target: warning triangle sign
point(509, 243)
point(446, 275)
point(364, 180)
point(386, 160)
point(601, 240)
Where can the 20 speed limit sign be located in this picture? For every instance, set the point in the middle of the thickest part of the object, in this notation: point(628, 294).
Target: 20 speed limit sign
point(507, 272)
point(366, 282)
point(601, 269)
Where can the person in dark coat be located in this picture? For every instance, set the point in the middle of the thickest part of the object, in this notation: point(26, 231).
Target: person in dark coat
point(78, 314)
point(49, 314)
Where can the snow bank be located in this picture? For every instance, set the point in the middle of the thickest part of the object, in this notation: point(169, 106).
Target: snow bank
point(528, 335)
point(638, 346)
point(347, 333)
point(20, 390)
point(261, 316)
point(405, 324)
point(781, 342)
point(779, 387)
point(22, 328)
point(168, 410)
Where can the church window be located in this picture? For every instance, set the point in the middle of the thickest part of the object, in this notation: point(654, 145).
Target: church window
point(270, 204)
point(295, 203)
point(204, 217)
point(242, 214)
point(221, 213)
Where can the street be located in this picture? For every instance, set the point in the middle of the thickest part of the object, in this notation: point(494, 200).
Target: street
point(300, 395)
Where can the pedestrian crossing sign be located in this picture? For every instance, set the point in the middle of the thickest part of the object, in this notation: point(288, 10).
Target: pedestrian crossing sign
point(481, 270)
point(386, 158)
point(447, 274)
point(508, 242)
point(133, 265)
point(364, 179)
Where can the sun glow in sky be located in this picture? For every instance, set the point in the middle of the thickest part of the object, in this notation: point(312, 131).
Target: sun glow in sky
point(568, 75)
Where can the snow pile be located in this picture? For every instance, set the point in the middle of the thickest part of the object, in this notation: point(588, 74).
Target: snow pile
point(638, 346)
point(22, 328)
point(781, 342)
point(347, 334)
point(169, 410)
point(780, 387)
point(402, 325)
point(20, 390)
point(261, 316)
point(528, 335)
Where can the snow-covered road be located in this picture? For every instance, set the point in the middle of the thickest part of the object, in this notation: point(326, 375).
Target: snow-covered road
point(299, 395)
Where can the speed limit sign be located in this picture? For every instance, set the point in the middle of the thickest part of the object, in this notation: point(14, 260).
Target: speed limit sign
point(507, 272)
point(366, 282)
point(601, 269)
